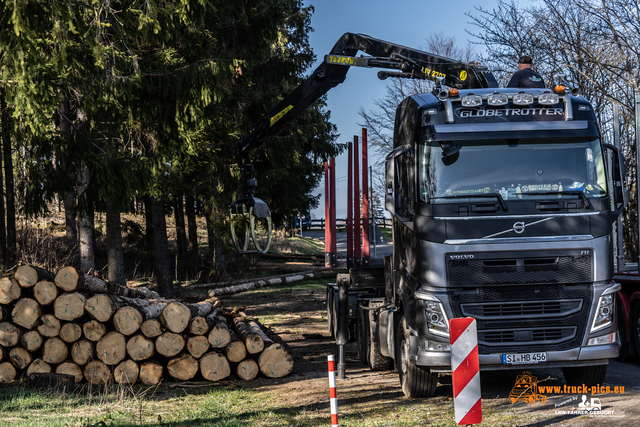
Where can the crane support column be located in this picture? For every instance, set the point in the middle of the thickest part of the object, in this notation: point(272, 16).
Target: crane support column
point(329, 214)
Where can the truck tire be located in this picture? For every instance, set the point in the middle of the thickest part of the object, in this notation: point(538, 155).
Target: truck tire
point(415, 381)
point(330, 316)
point(377, 362)
point(587, 375)
point(362, 335)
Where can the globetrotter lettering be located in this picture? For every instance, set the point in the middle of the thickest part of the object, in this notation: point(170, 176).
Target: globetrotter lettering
point(511, 112)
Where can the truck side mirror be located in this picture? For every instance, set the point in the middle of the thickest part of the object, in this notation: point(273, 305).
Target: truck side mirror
point(389, 198)
point(618, 177)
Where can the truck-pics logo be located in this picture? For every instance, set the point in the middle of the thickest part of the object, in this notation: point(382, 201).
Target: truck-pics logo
point(526, 389)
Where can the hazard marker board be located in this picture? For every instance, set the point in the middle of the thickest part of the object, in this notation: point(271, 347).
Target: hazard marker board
point(465, 369)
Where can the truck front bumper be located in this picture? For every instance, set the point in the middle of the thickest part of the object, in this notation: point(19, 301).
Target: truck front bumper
point(595, 355)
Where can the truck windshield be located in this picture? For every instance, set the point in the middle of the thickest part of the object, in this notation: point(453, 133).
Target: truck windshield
point(513, 168)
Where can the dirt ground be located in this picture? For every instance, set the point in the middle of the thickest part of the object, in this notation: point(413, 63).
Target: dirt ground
point(375, 398)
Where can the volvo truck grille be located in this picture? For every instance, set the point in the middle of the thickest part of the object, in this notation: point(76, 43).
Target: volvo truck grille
point(520, 271)
point(544, 317)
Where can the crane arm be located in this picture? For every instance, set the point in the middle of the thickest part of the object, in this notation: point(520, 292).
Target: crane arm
point(411, 63)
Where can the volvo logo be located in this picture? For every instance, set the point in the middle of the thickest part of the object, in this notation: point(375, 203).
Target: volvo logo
point(519, 227)
point(461, 256)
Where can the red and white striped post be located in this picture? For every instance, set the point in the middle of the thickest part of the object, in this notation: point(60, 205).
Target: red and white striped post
point(465, 368)
point(332, 391)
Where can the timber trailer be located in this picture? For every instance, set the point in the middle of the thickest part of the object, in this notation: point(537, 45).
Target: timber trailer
point(502, 206)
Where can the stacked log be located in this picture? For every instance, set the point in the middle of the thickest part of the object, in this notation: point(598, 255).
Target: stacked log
point(82, 326)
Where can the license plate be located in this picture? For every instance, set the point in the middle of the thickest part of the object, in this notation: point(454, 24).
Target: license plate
point(524, 358)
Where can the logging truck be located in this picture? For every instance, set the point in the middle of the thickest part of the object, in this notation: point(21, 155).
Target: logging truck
point(502, 205)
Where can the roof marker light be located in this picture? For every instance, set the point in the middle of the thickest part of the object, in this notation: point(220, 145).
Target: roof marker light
point(453, 92)
point(559, 89)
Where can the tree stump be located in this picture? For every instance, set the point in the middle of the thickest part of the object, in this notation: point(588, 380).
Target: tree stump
point(70, 332)
point(197, 346)
point(169, 344)
point(236, 351)
point(112, 348)
point(26, 313)
point(10, 290)
point(9, 334)
point(247, 369)
point(198, 326)
point(31, 341)
point(20, 357)
point(8, 372)
point(38, 366)
point(101, 307)
point(183, 367)
point(71, 368)
point(45, 292)
point(69, 306)
point(28, 275)
point(68, 279)
point(94, 330)
point(214, 366)
point(82, 352)
point(140, 348)
point(50, 326)
point(251, 340)
point(151, 372)
point(126, 372)
point(96, 372)
point(151, 328)
point(175, 317)
point(55, 351)
point(127, 320)
point(275, 362)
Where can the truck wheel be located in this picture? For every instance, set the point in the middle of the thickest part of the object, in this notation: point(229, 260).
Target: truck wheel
point(377, 362)
point(362, 336)
point(416, 381)
point(330, 311)
point(587, 375)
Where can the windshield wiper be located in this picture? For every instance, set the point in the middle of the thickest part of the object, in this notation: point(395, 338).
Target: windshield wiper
point(464, 196)
point(578, 193)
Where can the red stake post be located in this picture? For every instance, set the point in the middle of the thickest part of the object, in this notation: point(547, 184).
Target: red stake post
point(350, 210)
point(332, 213)
point(356, 204)
point(365, 201)
point(333, 398)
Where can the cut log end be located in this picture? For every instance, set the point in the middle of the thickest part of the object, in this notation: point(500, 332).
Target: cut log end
point(275, 362)
point(214, 366)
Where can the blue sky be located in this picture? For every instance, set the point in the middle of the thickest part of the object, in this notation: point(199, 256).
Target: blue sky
point(406, 22)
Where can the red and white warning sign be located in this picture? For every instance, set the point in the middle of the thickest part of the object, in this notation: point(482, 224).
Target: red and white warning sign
point(465, 369)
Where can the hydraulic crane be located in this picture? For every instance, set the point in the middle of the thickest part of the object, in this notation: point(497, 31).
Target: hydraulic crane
point(249, 213)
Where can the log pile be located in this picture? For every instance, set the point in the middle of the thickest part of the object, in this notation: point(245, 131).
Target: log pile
point(76, 324)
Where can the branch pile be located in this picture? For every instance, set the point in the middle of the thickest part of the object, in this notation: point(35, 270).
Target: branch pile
point(81, 325)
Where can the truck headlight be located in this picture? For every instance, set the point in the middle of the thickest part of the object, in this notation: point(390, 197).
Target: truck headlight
point(604, 339)
point(605, 309)
point(437, 321)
